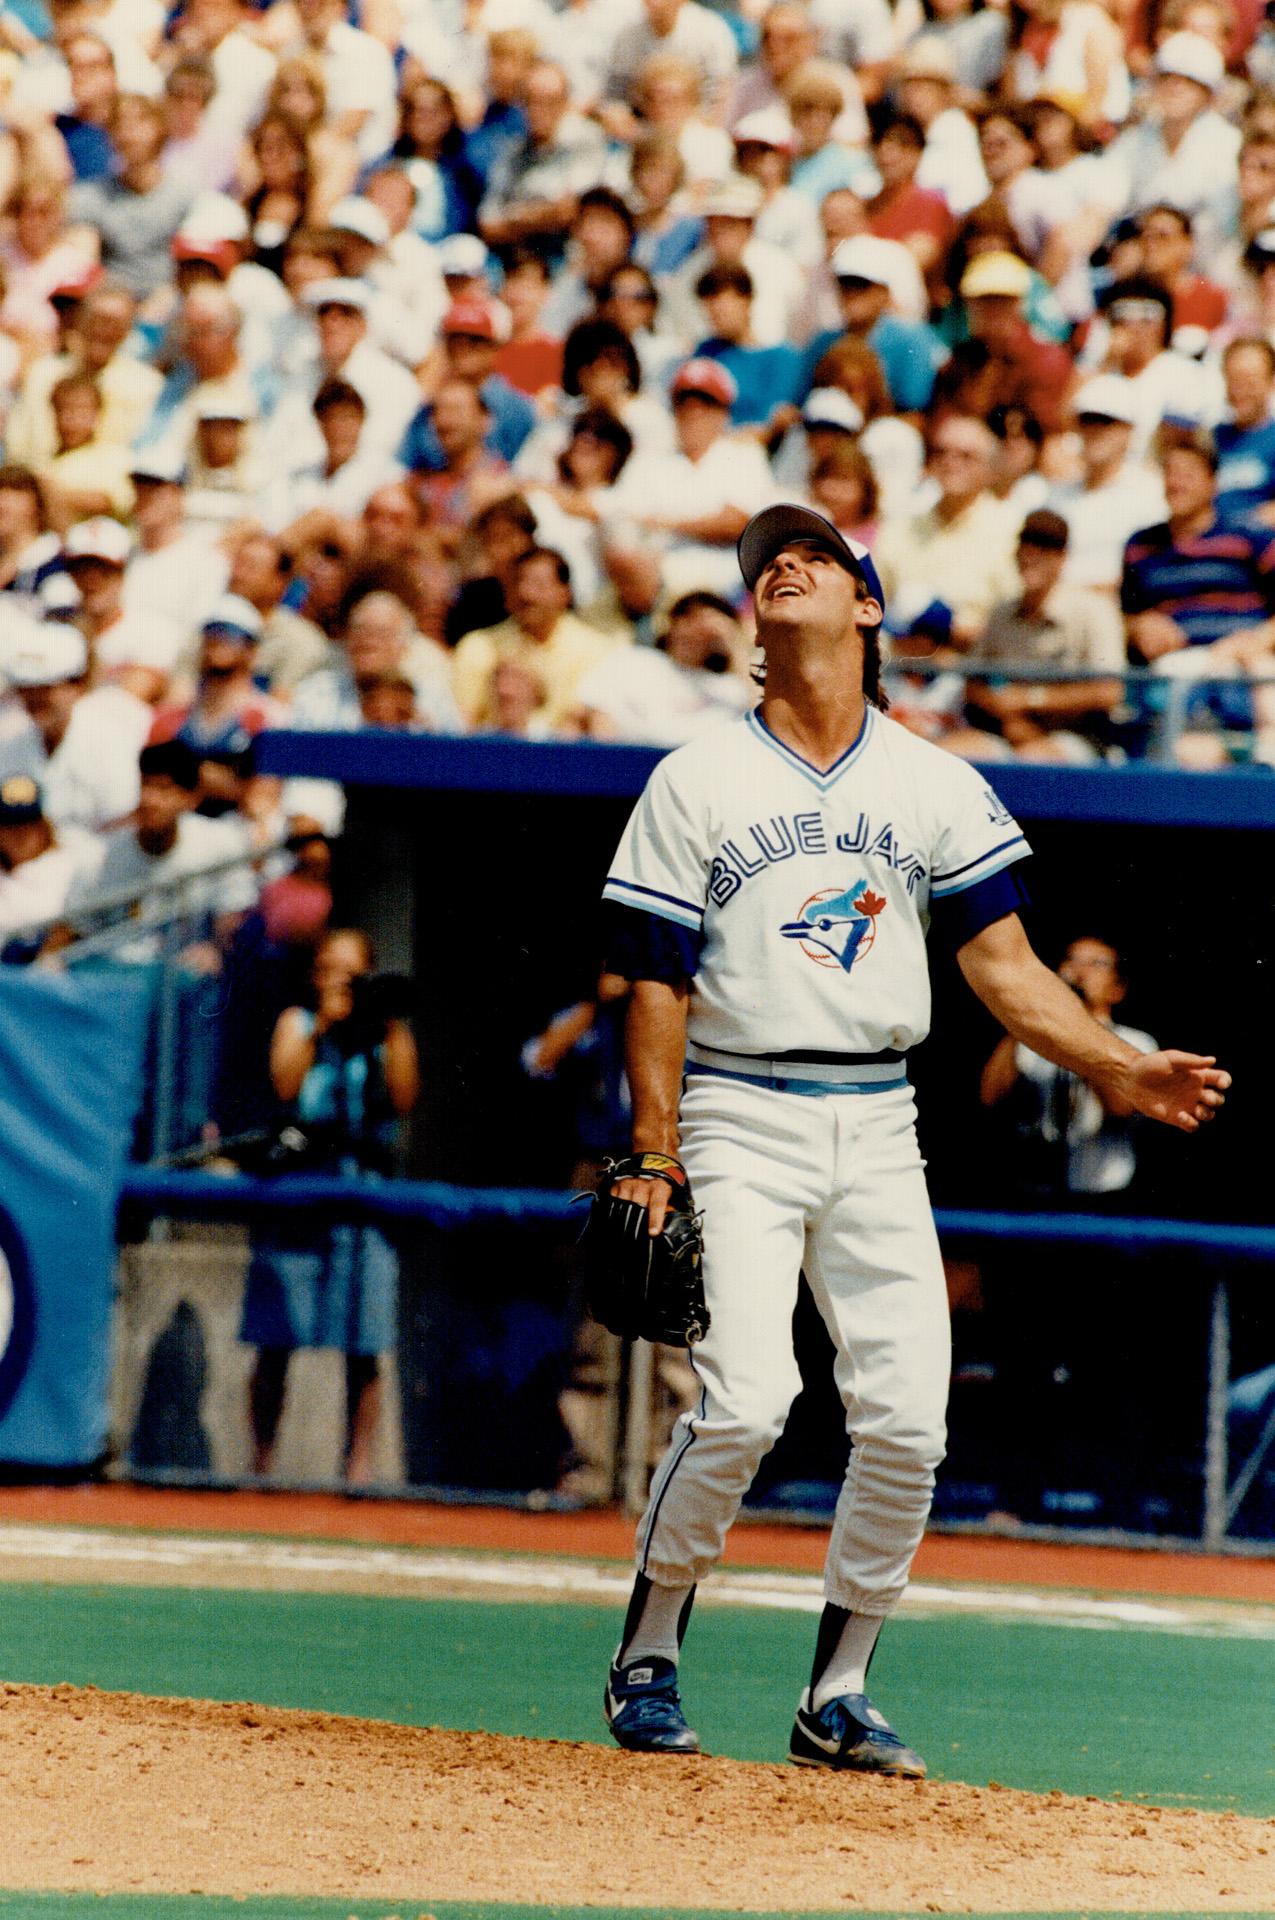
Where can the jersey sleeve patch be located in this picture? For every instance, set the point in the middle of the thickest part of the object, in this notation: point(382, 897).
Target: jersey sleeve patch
point(641, 945)
point(958, 917)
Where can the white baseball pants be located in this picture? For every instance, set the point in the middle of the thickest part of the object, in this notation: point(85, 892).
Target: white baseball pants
point(833, 1184)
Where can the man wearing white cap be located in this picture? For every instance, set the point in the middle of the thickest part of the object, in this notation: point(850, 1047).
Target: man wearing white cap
point(137, 651)
point(1185, 152)
point(174, 573)
point(362, 235)
point(81, 745)
point(765, 145)
point(909, 351)
point(730, 240)
point(390, 393)
point(1114, 496)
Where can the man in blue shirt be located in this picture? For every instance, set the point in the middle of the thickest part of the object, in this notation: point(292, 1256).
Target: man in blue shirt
point(472, 334)
point(1246, 442)
point(768, 380)
point(910, 352)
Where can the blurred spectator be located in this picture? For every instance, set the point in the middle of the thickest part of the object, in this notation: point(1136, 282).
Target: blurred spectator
point(358, 74)
point(436, 159)
point(765, 146)
point(1182, 151)
point(1168, 253)
point(694, 677)
point(823, 160)
point(974, 35)
point(31, 558)
point(534, 186)
point(1050, 624)
point(1073, 1142)
point(541, 630)
point(700, 498)
point(99, 346)
point(461, 482)
point(1159, 383)
point(37, 259)
point(731, 240)
point(768, 380)
point(37, 870)
point(1002, 364)
point(601, 238)
point(79, 742)
point(900, 210)
point(175, 572)
point(500, 534)
point(85, 475)
point(1245, 441)
point(926, 92)
point(134, 210)
point(961, 549)
point(165, 841)
point(346, 1073)
point(682, 27)
point(379, 638)
point(290, 647)
point(531, 358)
point(93, 89)
point(1198, 595)
point(472, 334)
point(229, 710)
point(136, 650)
point(909, 351)
point(1112, 497)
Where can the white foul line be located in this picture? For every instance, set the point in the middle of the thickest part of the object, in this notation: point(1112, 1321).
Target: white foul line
point(220, 1560)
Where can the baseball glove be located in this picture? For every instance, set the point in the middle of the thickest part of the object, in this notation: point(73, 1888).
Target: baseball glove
point(642, 1285)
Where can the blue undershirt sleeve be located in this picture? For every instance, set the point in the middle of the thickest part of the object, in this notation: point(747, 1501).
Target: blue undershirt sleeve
point(958, 917)
point(644, 946)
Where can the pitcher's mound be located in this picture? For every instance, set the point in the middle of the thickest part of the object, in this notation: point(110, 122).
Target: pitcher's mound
point(115, 1792)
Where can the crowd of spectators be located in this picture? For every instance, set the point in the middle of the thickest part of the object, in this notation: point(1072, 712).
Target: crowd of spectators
point(417, 363)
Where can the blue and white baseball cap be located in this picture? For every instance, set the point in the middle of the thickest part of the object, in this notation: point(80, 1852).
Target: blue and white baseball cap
point(778, 526)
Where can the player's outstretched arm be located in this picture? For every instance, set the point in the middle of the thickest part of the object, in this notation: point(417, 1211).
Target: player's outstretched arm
point(655, 1059)
point(1180, 1089)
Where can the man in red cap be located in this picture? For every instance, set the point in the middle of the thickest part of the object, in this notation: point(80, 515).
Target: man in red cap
point(701, 497)
point(473, 332)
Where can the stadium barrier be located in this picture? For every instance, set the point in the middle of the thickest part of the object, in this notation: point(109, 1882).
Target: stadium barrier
point(204, 1196)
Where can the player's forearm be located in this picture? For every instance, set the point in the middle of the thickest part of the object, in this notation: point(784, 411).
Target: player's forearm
point(655, 1058)
point(1034, 1006)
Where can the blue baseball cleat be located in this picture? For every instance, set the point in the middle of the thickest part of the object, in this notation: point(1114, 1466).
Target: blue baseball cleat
point(644, 1709)
point(850, 1735)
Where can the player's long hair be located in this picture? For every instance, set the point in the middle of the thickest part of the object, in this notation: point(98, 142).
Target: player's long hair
point(873, 691)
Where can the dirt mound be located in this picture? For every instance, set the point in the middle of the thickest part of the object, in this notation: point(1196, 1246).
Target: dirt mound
point(114, 1792)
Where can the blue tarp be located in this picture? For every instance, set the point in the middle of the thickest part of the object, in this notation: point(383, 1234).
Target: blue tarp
point(70, 1076)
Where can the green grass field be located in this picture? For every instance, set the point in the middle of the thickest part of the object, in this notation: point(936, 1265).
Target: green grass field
point(1121, 1713)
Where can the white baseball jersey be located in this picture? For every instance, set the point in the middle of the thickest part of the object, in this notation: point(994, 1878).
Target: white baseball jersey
point(811, 891)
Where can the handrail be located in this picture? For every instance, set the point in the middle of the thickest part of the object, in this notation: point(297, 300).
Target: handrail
point(439, 1203)
point(123, 901)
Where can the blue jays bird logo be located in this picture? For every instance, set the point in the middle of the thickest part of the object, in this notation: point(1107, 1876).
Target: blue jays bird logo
point(837, 926)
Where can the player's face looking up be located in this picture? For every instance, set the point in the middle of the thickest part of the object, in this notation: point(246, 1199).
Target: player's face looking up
point(806, 588)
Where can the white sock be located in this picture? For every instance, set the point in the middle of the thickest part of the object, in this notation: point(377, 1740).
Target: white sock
point(847, 1670)
point(656, 1633)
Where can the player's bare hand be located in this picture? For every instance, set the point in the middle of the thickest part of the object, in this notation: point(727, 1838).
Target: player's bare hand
point(651, 1194)
point(1183, 1090)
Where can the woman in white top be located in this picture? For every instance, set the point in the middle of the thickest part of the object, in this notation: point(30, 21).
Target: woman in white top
point(1069, 46)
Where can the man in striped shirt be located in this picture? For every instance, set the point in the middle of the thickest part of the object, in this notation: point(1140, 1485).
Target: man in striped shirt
point(1198, 595)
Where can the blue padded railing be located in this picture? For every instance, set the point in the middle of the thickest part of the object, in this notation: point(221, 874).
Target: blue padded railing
point(229, 1196)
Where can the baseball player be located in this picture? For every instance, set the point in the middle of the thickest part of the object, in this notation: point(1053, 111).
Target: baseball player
point(772, 895)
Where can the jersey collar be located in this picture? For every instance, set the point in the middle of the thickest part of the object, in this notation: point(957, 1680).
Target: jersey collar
point(824, 779)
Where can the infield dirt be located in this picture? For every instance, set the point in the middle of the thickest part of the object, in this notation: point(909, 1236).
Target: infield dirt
point(117, 1793)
